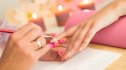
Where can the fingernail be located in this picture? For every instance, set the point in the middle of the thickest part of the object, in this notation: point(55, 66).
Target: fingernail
point(61, 53)
point(61, 41)
point(56, 43)
point(51, 45)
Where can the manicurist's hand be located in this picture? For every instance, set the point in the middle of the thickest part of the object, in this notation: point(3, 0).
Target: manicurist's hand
point(24, 48)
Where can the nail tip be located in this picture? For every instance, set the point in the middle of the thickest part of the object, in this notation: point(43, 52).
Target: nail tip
point(50, 45)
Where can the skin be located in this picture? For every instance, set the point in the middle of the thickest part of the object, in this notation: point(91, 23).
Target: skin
point(22, 52)
point(54, 54)
point(80, 35)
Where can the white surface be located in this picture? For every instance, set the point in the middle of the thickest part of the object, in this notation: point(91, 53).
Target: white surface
point(90, 59)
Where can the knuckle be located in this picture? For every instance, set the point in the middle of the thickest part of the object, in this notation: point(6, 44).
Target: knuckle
point(37, 27)
point(78, 40)
point(13, 36)
point(18, 43)
point(31, 24)
point(34, 25)
point(38, 30)
point(77, 46)
point(75, 49)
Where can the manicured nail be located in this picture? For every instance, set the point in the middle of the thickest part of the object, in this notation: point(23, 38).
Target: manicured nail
point(51, 45)
point(61, 53)
point(61, 41)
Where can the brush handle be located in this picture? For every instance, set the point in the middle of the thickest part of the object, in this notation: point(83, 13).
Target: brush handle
point(6, 31)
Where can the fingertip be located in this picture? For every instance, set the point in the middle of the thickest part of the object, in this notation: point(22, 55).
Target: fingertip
point(83, 47)
point(50, 45)
point(47, 47)
point(58, 37)
point(61, 41)
point(80, 49)
point(61, 52)
point(67, 56)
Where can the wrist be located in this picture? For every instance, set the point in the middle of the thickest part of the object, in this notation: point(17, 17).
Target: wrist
point(121, 7)
point(110, 14)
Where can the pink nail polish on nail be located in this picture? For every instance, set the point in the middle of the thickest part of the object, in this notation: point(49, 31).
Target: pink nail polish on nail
point(61, 41)
point(56, 43)
point(61, 53)
point(51, 45)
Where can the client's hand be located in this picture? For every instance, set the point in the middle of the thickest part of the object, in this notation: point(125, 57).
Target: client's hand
point(23, 48)
point(55, 54)
point(80, 35)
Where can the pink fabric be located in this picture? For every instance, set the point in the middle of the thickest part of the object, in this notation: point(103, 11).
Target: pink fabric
point(113, 35)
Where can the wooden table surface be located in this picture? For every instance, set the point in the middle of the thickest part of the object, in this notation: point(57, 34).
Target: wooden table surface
point(120, 63)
